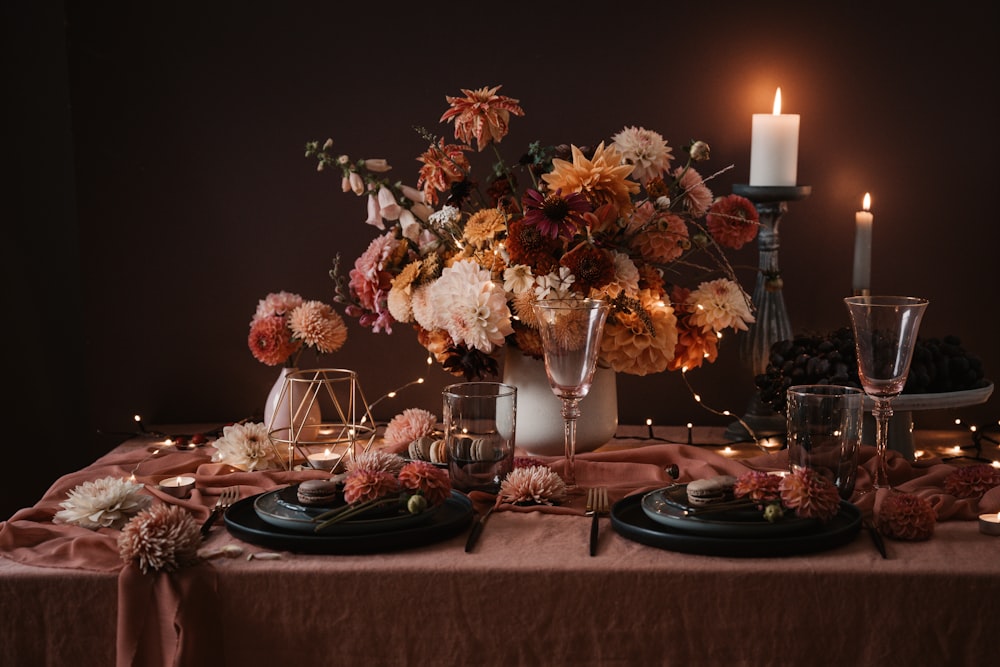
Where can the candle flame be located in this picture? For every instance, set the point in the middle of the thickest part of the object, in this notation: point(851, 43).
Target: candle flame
point(867, 202)
point(777, 102)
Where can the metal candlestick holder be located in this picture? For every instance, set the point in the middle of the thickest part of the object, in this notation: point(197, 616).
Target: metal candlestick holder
point(772, 323)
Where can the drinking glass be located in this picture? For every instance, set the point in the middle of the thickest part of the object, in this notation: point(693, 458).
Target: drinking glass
point(479, 425)
point(824, 431)
point(885, 330)
point(571, 332)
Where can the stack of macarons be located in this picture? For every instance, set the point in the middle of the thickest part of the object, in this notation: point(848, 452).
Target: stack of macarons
point(710, 490)
point(427, 448)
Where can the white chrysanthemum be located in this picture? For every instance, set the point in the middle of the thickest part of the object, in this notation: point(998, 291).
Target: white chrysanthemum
point(719, 304)
point(646, 150)
point(533, 484)
point(103, 503)
point(518, 278)
point(471, 307)
point(423, 310)
point(247, 447)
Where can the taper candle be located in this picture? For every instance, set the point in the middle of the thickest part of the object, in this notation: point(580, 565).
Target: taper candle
point(863, 248)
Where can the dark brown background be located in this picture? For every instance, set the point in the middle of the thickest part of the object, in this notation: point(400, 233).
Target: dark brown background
point(158, 187)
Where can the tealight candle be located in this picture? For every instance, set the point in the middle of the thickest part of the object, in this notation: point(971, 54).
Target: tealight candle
point(325, 460)
point(989, 524)
point(774, 147)
point(178, 487)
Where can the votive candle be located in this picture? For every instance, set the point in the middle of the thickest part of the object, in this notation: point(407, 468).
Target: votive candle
point(178, 487)
point(774, 147)
point(989, 524)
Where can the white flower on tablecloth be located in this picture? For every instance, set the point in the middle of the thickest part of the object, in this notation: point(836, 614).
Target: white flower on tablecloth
point(108, 502)
point(247, 447)
point(164, 537)
point(538, 485)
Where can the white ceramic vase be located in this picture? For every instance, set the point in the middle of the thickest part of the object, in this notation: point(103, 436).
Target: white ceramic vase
point(540, 429)
point(277, 415)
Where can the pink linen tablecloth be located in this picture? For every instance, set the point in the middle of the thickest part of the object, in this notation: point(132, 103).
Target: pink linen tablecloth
point(529, 594)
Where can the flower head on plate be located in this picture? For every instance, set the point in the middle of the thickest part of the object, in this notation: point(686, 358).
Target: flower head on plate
point(461, 254)
point(163, 537)
point(803, 490)
point(108, 502)
point(284, 324)
point(247, 447)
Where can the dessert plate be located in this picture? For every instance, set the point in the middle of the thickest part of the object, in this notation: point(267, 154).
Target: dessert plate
point(281, 509)
point(630, 521)
point(448, 520)
point(667, 506)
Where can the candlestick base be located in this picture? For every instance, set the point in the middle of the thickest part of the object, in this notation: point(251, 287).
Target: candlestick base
point(772, 323)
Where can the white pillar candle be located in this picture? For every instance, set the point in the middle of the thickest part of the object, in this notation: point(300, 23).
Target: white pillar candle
point(774, 147)
point(863, 247)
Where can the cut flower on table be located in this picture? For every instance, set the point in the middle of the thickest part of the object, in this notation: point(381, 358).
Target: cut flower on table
point(462, 255)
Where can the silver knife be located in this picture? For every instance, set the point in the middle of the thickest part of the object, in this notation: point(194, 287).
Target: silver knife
point(477, 528)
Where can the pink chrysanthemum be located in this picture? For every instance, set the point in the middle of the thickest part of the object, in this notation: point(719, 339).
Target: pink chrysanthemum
point(163, 537)
point(733, 221)
point(538, 485)
point(427, 479)
point(409, 425)
point(905, 516)
point(972, 481)
point(276, 303)
point(270, 341)
point(646, 150)
point(759, 486)
point(811, 495)
point(318, 325)
point(363, 485)
point(376, 460)
point(695, 194)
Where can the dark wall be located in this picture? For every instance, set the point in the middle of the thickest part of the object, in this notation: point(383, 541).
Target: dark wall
point(183, 125)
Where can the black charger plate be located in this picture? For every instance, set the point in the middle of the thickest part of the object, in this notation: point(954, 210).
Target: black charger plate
point(630, 521)
point(448, 520)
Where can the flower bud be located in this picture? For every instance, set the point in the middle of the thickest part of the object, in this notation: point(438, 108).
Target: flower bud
point(378, 165)
point(773, 512)
point(700, 151)
point(416, 504)
point(699, 240)
point(357, 183)
point(328, 144)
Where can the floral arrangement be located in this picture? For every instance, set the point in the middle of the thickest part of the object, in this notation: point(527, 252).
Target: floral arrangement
point(246, 446)
point(108, 502)
point(461, 258)
point(284, 324)
point(382, 480)
point(803, 490)
point(163, 537)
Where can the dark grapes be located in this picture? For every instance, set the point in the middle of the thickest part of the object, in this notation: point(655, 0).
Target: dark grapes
point(938, 366)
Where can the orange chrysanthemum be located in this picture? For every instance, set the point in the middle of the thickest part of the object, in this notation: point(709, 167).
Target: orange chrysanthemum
point(602, 179)
point(481, 114)
point(428, 480)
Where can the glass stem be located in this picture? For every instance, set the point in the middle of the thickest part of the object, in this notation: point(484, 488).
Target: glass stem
point(570, 413)
point(882, 412)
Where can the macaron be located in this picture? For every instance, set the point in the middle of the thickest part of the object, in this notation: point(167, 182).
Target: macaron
point(705, 491)
point(480, 450)
point(439, 451)
point(420, 449)
point(317, 492)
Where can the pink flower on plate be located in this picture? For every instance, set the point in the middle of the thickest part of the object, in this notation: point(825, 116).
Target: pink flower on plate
point(758, 486)
point(811, 495)
point(426, 479)
point(364, 485)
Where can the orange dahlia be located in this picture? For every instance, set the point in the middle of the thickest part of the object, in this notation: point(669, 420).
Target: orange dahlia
point(641, 342)
point(602, 179)
point(811, 495)
point(481, 114)
point(443, 165)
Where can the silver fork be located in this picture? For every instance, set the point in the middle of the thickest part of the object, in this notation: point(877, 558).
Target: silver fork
point(597, 504)
point(229, 495)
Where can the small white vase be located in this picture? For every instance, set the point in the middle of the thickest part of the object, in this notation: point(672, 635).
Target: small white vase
point(540, 428)
point(277, 415)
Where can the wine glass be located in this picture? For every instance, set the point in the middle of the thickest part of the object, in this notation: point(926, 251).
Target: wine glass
point(571, 339)
point(885, 330)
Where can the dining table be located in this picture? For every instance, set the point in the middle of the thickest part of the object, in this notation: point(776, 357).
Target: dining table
point(528, 592)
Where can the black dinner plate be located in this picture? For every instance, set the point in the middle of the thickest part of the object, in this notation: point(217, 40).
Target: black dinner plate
point(450, 519)
point(630, 521)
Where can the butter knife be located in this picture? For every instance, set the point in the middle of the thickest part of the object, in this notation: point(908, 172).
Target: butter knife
point(477, 529)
